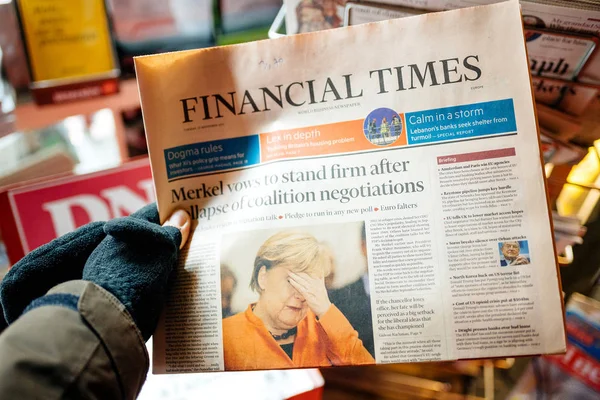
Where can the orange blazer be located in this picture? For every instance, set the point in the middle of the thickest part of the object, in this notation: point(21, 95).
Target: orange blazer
point(247, 344)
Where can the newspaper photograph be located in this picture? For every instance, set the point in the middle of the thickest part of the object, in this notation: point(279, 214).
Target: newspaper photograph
point(355, 203)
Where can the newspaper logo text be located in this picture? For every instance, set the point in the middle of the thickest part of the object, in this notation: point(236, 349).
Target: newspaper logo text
point(298, 94)
point(294, 95)
point(433, 73)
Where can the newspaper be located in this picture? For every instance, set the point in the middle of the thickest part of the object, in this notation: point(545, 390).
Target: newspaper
point(372, 194)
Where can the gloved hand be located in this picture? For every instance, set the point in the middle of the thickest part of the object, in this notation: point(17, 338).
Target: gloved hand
point(56, 262)
point(135, 260)
point(130, 257)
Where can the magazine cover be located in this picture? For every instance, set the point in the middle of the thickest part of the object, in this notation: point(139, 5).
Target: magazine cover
point(357, 13)
point(558, 55)
point(313, 15)
point(37, 212)
point(571, 97)
point(576, 374)
point(352, 207)
point(240, 15)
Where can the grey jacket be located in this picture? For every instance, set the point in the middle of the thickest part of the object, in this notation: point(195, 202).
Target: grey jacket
point(53, 352)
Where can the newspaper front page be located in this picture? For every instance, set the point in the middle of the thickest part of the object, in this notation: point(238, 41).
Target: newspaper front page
point(371, 194)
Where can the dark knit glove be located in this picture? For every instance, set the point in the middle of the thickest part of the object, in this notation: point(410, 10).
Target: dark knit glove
point(134, 263)
point(56, 262)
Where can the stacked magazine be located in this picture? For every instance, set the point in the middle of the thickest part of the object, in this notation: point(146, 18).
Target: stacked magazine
point(567, 232)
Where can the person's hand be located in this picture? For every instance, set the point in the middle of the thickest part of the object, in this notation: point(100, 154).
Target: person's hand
point(520, 260)
point(130, 240)
point(56, 262)
point(313, 290)
point(135, 260)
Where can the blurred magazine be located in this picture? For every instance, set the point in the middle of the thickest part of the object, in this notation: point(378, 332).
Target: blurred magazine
point(571, 97)
point(557, 55)
point(313, 15)
point(153, 26)
point(361, 13)
point(560, 124)
point(557, 151)
point(240, 15)
point(567, 231)
point(350, 208)
point(576, 374)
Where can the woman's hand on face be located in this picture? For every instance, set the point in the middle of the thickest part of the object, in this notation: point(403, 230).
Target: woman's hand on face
point(313, 290)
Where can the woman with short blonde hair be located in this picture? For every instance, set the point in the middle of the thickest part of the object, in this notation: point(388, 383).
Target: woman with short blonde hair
point(293, 324)
point(300, 250)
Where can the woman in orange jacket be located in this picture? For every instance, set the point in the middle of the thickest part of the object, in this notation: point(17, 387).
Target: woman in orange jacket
point(293, 324)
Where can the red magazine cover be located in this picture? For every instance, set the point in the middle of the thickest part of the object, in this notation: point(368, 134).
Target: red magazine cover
point(34, 214)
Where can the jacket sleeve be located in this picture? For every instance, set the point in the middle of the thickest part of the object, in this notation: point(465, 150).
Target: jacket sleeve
point(80, 343)
point(345, 348)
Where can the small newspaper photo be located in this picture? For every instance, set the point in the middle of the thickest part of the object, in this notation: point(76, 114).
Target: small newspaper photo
point(362, 195)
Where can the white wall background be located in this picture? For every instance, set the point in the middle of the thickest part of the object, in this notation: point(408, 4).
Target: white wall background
point(238, 251)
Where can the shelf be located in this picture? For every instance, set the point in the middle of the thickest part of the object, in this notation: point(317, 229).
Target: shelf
point(31, 116)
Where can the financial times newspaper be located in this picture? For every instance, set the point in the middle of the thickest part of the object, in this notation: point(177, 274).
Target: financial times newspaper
point(371, 194)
